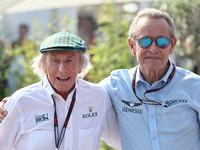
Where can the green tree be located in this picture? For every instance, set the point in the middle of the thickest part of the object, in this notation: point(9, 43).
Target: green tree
point(186, 14)
point(111, 49)
point(23, 76)
point(5, 62)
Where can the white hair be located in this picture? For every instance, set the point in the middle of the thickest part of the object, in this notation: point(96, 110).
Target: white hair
point(38, 63)
point(155, 14)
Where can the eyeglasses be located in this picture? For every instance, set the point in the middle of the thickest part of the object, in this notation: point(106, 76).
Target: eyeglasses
point(161, 42)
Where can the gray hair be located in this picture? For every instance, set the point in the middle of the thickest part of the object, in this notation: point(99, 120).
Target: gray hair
point(155, 14)
point(39, 62)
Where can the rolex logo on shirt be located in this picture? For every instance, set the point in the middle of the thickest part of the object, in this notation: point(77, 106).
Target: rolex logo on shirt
point(90, 114)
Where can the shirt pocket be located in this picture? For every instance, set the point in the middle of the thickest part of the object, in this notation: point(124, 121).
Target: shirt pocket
point(178, 118)
point(89, 138)
point(41, 140)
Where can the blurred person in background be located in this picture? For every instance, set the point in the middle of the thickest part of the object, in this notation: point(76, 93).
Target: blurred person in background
point(22, 36)
point(16, 66)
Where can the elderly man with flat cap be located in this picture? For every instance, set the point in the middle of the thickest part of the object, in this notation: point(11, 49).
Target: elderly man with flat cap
point(61, 111)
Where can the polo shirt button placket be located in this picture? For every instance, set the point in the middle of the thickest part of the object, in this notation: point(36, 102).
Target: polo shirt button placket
point(153, 123)
point(154, 137)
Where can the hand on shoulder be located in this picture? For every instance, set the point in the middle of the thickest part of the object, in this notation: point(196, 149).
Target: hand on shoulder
point(3, 111)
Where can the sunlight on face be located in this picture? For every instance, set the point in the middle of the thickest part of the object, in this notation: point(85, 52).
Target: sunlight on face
point(62, 68)
point(153, 58)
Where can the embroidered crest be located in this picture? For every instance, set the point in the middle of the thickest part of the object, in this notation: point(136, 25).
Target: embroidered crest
point(90, 108)
point(40, 118)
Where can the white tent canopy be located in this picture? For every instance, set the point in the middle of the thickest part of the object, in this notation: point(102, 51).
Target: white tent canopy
point(15, 6)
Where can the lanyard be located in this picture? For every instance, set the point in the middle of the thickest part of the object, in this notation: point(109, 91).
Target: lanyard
point(148, 101)
point(59, 139)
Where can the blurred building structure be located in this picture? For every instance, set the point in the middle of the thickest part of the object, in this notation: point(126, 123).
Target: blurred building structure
point(83, 13)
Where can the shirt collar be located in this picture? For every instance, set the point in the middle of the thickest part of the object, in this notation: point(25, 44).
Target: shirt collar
point(139, 77)
point(50, 91)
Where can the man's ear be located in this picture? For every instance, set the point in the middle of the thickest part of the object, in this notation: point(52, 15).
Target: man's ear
point(173, 45)
point(131, 46)
point(44, 68)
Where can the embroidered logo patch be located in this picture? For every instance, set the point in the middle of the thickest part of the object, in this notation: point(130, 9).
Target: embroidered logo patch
point(90, 108)
point(40, 118)
point(90, 114)
point(175, 102)
point(130, 109)
point(131, 103)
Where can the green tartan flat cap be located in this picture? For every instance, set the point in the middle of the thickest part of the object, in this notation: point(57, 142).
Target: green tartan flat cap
point(63, 41)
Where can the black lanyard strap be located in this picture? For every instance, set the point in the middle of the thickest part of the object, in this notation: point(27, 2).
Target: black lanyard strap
point(59, 139)
point(148, 101)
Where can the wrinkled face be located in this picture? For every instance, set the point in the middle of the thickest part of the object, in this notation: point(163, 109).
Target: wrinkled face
point(62, 68)
point(152, 58)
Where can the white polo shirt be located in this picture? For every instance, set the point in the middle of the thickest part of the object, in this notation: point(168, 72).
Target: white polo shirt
point(30, 121)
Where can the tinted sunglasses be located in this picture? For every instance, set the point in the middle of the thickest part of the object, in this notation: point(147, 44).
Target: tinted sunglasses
point(161, 42)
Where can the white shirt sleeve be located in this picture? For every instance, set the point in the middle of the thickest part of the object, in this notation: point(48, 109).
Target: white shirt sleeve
point(10, 128)
point(110, 133)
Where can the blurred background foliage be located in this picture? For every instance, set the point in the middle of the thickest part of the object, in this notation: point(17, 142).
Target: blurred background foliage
point(110, 50)
point(4, 61)
point(21, 57)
